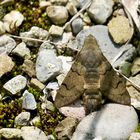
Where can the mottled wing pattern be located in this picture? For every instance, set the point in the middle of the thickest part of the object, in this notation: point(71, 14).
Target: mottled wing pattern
point(91, 75)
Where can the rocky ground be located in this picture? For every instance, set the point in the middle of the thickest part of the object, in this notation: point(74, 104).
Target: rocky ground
point(38, 44)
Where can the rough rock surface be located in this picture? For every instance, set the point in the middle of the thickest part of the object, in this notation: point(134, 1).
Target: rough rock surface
point(47, 65)
point(6, 64)
point(28, 101)
point(100, 10)
point(16, 84)
point(120, 29)
point(112, 122)
point(58, 14)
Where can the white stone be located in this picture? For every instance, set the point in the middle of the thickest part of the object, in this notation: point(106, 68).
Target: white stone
point(22, 51)
point(10, 133)
point(22, 119)
point(112, 122)
point(32, 133)
point(100, 10)
point(16, 84)
point(29, 101)
point(6, 64)
point(13, 20)
point(48, 65)
point(56, 30)
point(7, 44)
point(58, 14)
point(135, 136)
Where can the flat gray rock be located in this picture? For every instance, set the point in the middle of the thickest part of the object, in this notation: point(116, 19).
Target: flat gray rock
point(16, 84)
point(28, 101)
point(32, 133)
point(48, 65)
point(100, 10)
point(22, 119)
point(112, 122)
point(7, 44)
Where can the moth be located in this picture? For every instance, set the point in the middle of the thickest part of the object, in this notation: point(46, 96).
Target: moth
point(92, 78)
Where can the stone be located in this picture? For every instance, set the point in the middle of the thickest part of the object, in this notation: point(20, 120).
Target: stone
point(52, 86)
point(56, 30)
point(7, 44)
point(6, 64)
point(57, 14)
point(43, 4)
point(28, 101)
point(70, 110)
point(48, 65)
point(134, 136)
point(82, 3)
point(59, 2)
point(112, 122)
point(46, 45)
point(35, 33)
point(135, 66)
point(77, 25)
point(29, 67)
point(100, 10)
point(10, 133)
point(120, 29)
point(48, 105)
point(34, 133)
point(22, 51)
point(13, 20)
point(109, 49)
point(71, 8)
point(22, 119)
point(2, 28)
point(16, 84)
point(65, 128)
point(86, 18)
point(37, 84)
point(7, 2)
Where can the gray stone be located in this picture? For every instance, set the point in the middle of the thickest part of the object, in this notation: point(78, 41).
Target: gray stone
point(48, 105)
point(46, 45)
point(35, 32)
point(7, 44)
point(120, 29)
point(136, 66)
point(57, 14)
point(37, 84)
point(108, 48)
point(12, 20)
point(82, 3)
point(32, 133)
point(48, 65)
point(29, 67)
point(10, 133)
point(112, 122)
point(52, 86)
point(134, 136)
point(71, 8)
point(16, 84)
point(100, 10)
point(22, 51)
point(6, 64)
point(28, 101)
point(77, 26)
point(22, 119)
point(66, 128)
point(56, 30)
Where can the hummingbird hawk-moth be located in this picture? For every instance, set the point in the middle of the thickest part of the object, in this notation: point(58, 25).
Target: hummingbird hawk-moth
point(92, 77)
